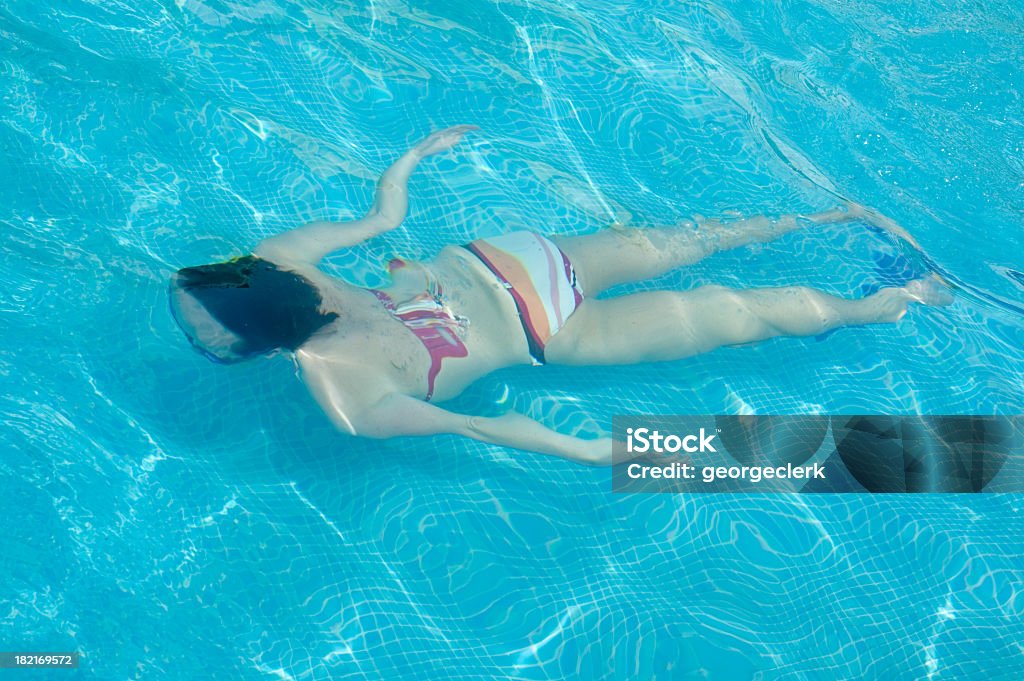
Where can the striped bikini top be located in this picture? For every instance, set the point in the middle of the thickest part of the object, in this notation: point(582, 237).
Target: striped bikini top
point(428, 316)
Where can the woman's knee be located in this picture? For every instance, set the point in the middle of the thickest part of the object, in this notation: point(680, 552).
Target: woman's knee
point(739, 316)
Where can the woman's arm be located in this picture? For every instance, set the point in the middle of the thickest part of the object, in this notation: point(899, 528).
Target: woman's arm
point(311, 242)
point(399, 415)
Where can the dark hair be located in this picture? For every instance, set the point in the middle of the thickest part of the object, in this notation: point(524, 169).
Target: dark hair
point(267, 307)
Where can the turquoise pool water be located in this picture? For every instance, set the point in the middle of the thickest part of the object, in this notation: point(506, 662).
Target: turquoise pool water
point(169, 518)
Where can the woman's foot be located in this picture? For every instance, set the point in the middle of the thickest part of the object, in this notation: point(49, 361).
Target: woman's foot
point(890, 304)
point(929, 291)
point(858, 212)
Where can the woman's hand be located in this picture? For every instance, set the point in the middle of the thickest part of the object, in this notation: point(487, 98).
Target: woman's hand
point(442, 140)
point(603, 451)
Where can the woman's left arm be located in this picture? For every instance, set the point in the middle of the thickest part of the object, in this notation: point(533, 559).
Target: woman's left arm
point(311, 242)
point(398, 415)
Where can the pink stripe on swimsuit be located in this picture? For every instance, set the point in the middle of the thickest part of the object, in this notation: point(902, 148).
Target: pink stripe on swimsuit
point(430, 319)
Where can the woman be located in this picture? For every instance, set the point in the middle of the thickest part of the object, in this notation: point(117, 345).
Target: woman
point(378, 361)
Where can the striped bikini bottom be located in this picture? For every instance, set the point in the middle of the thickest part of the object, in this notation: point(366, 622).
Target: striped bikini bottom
point(540, 279)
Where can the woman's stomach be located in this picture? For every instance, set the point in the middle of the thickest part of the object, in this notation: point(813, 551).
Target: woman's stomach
point(494, 334)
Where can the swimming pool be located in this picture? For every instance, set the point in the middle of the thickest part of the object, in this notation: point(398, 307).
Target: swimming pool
point(172, 519)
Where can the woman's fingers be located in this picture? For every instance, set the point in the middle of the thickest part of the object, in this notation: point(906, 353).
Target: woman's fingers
point(442, 140)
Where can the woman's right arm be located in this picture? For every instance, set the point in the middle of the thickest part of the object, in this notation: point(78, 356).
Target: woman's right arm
point(311, 242)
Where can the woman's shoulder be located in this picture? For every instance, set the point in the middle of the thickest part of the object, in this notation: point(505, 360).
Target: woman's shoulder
point(359, 352)
point(338, 379)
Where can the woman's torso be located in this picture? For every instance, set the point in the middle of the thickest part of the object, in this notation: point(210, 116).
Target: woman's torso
point(372, 337)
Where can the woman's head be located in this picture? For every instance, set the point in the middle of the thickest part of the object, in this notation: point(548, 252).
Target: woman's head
point(245, 307)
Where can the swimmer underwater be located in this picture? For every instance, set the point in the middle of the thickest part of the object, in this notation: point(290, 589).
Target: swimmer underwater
point(378, 361)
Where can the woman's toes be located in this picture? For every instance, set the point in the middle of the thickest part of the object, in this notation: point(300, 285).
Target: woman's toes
point(929, 291)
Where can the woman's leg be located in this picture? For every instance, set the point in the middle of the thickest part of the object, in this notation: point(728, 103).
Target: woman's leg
point(666, 325)
point(620, 255)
